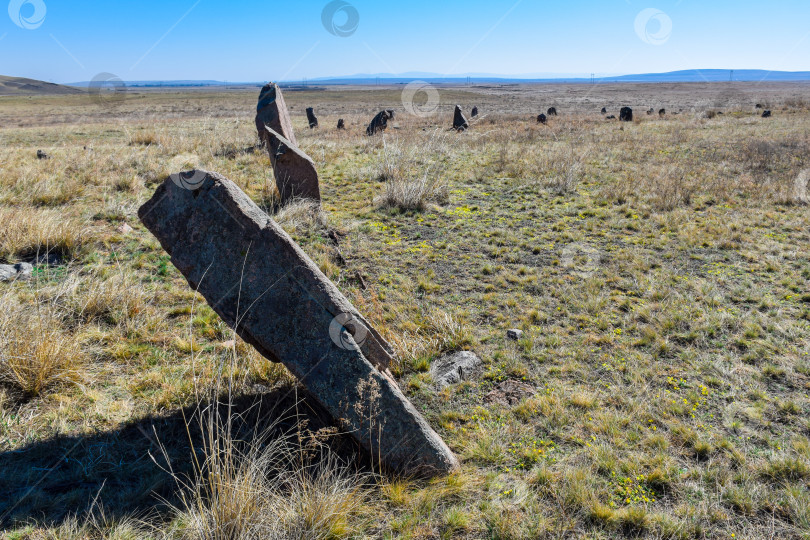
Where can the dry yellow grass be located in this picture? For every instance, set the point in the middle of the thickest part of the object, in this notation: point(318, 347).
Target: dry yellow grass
point(659, 270)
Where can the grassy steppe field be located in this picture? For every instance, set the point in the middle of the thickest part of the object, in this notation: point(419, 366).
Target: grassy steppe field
point(659, 270)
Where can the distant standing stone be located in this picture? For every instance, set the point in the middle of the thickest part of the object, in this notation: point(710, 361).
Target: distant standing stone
point(604, 110)
point(766, 114)
point(272, 112)
point(626, 114)
point(474, 112)
point(379, 123)
point(552, 111)
point(542, 118)
point(341, 124)
point(514, 334)
point(459, 122)
point(662, 112)
point(313, 120)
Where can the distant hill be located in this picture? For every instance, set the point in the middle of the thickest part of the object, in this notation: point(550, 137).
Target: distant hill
point(371, 79)
point(18, 86)
point(691, 75)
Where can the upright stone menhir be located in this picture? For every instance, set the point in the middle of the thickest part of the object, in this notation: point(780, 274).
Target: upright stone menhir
point(379, 123)
point(459, 122)
point(311, 118)
point(294, 171)
point(262, 285)
point(626, 114)
point(272, 112)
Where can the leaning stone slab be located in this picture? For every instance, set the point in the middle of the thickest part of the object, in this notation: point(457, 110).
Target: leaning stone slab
point(272, 112)
point(459, 122)
point(295, 172)
point(264, 286)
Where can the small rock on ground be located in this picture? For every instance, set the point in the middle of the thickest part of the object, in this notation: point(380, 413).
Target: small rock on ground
point(12, 272)
point(454, 368)
point(514, 334)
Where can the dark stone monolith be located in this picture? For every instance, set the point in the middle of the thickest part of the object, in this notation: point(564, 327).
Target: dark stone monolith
point(379, 123)
point(626, 114)
point(264, 287)
point(311, 118)
point(459, 122)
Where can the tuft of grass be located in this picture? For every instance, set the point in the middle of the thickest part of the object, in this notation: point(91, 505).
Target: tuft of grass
point(36, 352)
point(411, 181)
point(29, 232)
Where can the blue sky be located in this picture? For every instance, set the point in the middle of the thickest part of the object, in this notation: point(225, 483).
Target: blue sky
point(251, 40)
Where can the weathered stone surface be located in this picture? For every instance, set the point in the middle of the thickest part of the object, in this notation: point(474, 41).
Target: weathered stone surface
point(311, 118)
point(552, 111)
point(662, 112)
point(474, 112)
point(341, 124)
point(379, 123)
point(272, 112)
point(766, 114)
point(604, 110)
point(264, 286)
point(626, 114)
point(295, 172)
point(454, 368)
point(459, 122)
point(509, 393)
point(542, 118)
point(13, 272)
